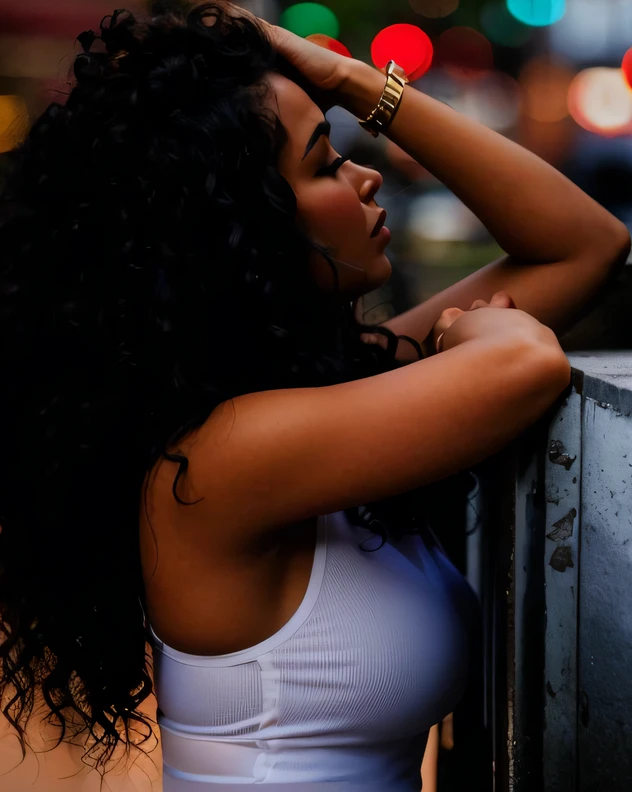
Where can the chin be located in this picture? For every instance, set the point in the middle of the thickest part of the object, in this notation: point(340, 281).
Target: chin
point(378, 275)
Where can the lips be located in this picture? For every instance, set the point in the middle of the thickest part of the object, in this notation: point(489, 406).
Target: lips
point(380, 224)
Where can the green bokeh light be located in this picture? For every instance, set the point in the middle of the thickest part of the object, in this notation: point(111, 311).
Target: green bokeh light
point(304, 19)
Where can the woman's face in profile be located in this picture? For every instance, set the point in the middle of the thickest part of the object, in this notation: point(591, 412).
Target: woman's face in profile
point(336, 206)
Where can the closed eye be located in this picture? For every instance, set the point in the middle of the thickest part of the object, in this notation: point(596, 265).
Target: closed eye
point(330, 170)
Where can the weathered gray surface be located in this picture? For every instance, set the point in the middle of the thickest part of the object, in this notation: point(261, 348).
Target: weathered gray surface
point(602, 614)
point(605, 614)
point(607, 377)
point(563, 465)
point(563, 632)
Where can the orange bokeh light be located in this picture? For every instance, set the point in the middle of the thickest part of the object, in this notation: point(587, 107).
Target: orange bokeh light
point(407, 45)
point(329, 43)
point(545, 85)
point(464, 53)
point(14, 122)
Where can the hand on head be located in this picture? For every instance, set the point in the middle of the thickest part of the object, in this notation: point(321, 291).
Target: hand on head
point(324, 69)
point(327, 71)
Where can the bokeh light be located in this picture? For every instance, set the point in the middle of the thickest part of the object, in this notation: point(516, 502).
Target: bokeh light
point(502, 27)
point(434, 9)
point(442, 217)
point(537, 13)
point(592, 31)
point(329, 43)
point(304, 19)
point(14, 122)
point(545, 84)
point(600, 100)
point(464, 52)
point(407, 45)
point(494, 101)
point(626, 66)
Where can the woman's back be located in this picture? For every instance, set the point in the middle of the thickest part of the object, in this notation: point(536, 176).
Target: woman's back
point(64, 769)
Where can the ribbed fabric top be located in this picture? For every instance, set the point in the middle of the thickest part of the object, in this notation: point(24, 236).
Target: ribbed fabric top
point(345, 692)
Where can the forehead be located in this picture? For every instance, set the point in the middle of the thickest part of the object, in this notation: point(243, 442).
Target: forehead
point(296, 111)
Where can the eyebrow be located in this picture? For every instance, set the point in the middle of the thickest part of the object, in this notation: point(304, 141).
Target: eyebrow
point(324, 128)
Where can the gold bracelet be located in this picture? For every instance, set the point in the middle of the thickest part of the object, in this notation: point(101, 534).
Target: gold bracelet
point(383, 115)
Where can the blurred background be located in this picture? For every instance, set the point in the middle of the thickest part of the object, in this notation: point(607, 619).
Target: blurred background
point(551, 74)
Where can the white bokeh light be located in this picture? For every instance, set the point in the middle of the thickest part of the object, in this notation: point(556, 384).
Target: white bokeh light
point(442, 217)
point(600, 100)
point(493, 101)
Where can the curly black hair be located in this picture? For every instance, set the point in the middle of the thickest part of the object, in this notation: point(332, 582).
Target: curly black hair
point(152, 268)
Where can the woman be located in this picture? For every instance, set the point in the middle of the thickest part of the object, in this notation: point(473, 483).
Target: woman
point(184, 253)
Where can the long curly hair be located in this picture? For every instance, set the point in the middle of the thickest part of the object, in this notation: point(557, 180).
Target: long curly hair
point(152, 268)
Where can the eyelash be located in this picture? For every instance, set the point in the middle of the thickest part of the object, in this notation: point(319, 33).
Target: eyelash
point(330, 170)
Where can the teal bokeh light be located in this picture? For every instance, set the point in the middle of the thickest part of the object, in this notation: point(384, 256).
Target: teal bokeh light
point(305, 19)
point(537, 13)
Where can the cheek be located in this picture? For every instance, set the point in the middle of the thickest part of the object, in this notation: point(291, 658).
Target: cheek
point(332, 213)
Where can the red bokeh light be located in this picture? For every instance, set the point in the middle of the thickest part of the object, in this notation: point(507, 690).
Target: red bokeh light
point(627, 67)
point(407, 45)
point(464, 52)
point(329, 43)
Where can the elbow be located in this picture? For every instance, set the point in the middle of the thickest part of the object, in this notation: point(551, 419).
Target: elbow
point(609, 246)
point(624, 242)
point(616, 244)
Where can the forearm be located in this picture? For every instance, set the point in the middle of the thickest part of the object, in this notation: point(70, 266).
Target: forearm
point(534, 213)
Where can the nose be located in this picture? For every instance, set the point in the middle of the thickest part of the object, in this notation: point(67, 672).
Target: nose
point(371, 183)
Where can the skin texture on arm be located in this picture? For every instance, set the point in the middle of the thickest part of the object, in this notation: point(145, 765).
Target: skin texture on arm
point(558, 295)
point(562, 247)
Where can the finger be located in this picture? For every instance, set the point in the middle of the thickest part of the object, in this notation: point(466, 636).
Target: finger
point(237, 11)
point(479, 304)
point(448, 317)
point(502, 300)
point(451, 314)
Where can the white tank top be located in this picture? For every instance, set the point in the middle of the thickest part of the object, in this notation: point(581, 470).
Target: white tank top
point(345, 692)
